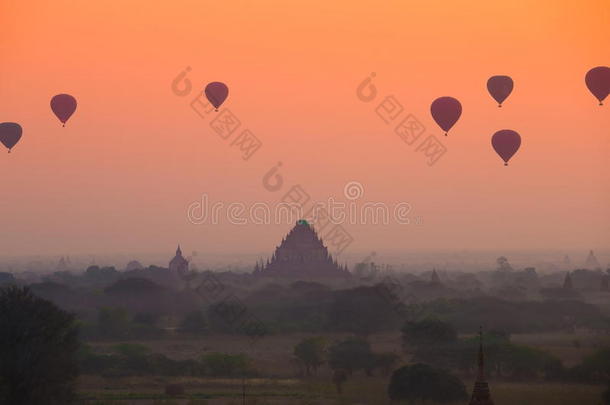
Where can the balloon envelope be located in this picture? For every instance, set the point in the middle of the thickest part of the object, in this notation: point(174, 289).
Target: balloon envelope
point(10, 134)
point(500, 88)
point(216, 93)
point(598, 82)
point(446, 111)
point(506, 143)
point(63, 105)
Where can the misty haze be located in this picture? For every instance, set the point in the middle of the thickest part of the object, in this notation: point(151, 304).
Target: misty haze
point(304, 203)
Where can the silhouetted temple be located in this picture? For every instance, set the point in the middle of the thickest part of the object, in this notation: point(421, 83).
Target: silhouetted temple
point(480, 393)
point(301, 254)
point(435, 279)
point(179, 264)
point(591, 262)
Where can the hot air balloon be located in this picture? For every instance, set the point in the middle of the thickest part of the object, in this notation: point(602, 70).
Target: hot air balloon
point(63, 105)
point(506, 143)
point(500, 88)
point(216, 93)
point(10, 134)
point(446, 111)
point(598, 82)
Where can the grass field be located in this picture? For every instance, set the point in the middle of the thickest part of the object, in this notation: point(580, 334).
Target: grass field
point(360, 390)
point(283, 385)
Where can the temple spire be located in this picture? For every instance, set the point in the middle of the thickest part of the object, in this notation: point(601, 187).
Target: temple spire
point(480, 393)
point(481, 362)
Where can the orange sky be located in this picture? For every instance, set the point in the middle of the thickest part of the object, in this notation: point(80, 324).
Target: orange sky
point(120, 176)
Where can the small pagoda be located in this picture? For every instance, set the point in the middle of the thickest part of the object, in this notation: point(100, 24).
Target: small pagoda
point(480, 393)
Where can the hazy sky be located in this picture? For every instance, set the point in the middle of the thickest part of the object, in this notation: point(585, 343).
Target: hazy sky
point(120, 176)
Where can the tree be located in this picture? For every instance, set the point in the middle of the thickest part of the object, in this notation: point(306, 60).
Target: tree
point(38, 349)
point(194, 322)
point(339, 377)
point(384, 362)
point(427, 332)
point(351, 354)
point(362, 311)
point(503, 264)
point(422, 382)
point(6, 278)
point(597, 364)
point(227, 365)
point(113, 322)
point(311, 352)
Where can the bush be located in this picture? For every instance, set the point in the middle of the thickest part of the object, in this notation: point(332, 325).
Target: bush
point(422, 382)
point(227, 365)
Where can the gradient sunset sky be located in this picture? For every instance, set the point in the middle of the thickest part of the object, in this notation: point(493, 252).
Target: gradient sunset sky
point(120, 176)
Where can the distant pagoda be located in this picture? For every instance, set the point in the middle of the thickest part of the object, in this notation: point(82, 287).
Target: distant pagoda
point(591, 262)
point(480, 393)
point(179, 265)
point(301, 254)
point(435, 279)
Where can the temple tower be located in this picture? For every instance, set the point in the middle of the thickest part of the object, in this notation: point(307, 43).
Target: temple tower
point(302, 254)
point(480, 393)
point(179, 265)
point(435, 279)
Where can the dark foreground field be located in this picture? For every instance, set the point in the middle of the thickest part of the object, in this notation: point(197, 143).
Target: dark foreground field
point(359, 390)
point(280, 381)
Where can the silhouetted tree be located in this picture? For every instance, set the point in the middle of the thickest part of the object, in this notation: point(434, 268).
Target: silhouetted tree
point(362, 310)
point(597, 364)
point(503, 264)
point(350, 355)
point(383, 362)
point(429, 331)
point(38, 345)
point(6, 278)
point(339, 377)
point(311, 352)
